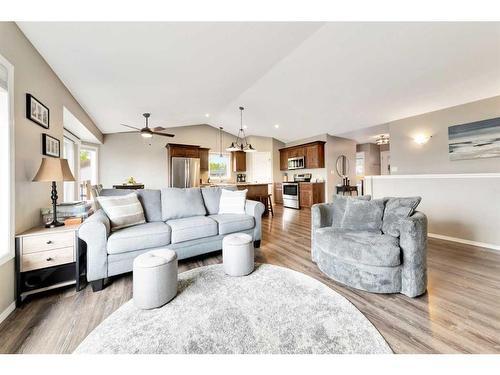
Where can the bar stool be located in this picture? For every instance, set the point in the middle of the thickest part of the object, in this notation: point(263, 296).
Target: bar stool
point(268, 203)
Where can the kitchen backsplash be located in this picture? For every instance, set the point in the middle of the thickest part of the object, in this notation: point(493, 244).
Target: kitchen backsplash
point(317, 174)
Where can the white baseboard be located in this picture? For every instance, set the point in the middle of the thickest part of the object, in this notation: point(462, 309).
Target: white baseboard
point(467, 242)
point(7, 311)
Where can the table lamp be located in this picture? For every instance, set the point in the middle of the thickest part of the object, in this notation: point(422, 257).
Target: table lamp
point(53, 170)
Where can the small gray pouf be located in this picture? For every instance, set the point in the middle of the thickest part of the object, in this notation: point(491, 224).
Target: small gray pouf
point(154, 278)
point(238, 254)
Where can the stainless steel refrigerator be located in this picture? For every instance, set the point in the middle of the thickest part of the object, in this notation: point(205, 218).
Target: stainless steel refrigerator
point(184, 172)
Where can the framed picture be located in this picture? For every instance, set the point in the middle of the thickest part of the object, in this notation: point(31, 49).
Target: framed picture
point(37, 112)
point(475, 140)
point(51, 146)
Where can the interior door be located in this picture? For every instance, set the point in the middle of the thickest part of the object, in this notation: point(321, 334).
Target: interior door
point(385, 162)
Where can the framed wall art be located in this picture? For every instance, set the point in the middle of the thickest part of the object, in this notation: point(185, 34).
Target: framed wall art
point(51, 146)
point(37, 112)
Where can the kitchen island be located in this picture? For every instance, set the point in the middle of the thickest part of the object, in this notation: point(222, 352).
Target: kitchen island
point(255, 190)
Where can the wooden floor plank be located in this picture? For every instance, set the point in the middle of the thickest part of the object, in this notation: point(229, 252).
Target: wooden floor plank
point(459, 314)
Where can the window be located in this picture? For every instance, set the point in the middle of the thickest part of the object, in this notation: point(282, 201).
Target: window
point(360, 164)
point(6, 161)
point(88, 168)
point(69, 151)
point(219, 166)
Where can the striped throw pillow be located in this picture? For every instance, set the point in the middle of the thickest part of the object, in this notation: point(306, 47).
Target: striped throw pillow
point(232, 202)
point(123, 211)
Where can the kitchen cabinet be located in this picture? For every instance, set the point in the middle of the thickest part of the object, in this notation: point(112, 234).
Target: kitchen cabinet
point(203, 158)
point(239, 161)
point(311, 193)
point(278, 193)
point(283, 160)
point(313, 153)
point(183, 151)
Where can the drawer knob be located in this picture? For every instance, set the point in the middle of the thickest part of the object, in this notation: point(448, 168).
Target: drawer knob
point(49, 259)
point(48, 242)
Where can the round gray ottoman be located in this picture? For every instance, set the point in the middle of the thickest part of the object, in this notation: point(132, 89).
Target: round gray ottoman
point(238, 254)
point(154, 278)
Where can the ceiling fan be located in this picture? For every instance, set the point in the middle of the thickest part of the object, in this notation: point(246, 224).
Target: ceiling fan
point(148, 132)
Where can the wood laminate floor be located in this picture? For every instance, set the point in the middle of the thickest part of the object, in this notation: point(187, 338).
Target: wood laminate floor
point(460, 312)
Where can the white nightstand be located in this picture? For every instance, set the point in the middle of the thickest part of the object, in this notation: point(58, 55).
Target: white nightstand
point(48, 258)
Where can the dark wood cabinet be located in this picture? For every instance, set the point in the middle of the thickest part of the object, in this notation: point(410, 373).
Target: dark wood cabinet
point(278, 193)
point(183, 151)
point(311, 193)
point(239, 161)
point(283, 160)
point(313, 153)
point(203, 158)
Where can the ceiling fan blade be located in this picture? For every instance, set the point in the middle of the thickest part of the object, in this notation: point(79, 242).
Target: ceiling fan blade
point(159, 129)
point(164, 134)
point(131, 127)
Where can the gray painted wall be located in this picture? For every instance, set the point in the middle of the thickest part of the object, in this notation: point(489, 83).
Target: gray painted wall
point(410, 158)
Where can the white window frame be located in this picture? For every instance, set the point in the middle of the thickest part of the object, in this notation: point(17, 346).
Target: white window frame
point(76, 167)
point(95, 148)
point(10, 187)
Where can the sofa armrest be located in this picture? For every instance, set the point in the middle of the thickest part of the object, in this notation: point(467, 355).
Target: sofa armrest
point(95, 232)
point(413, 243)
point(255, 209)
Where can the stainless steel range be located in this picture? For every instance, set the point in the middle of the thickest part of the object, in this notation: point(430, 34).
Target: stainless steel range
point(291, 194)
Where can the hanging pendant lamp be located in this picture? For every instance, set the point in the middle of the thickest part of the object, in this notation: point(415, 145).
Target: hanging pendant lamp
point(241, 143)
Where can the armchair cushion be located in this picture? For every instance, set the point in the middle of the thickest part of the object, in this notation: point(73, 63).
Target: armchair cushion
point(363, 215)
point(139, 237)
point(369, 248)
point(339, 205)
point(395, 210)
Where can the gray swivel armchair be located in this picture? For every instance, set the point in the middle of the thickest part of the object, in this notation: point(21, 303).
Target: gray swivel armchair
point(373, 261)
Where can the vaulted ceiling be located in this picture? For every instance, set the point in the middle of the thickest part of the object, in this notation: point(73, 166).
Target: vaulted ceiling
point(308, 78)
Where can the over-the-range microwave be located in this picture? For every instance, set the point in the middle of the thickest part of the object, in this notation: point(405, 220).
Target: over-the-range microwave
point(296, 163)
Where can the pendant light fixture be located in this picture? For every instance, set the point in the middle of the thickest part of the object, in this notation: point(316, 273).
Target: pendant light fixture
point(220, 140)
point(241, 143)
point(382, 139)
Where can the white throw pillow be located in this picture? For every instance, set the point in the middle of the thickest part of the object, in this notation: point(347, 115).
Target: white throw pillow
point(232, 202)
point(123, 210)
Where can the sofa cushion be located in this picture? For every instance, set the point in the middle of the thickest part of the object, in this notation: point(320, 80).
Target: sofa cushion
point(363, 215)
point(338, 207)
point(370, 248)
point(122, 211)
point(143, 236)
point(232, 202)
point(211, 198)
point(191, 228)
point(179, 203)
point(151, 203)
point(231, 223)
point(395, 210)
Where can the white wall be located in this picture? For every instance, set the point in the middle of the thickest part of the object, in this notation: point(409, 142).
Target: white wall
point(460, 206)
point(407, 157)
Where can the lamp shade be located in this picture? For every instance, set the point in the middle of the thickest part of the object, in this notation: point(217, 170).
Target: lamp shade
point(52, 169)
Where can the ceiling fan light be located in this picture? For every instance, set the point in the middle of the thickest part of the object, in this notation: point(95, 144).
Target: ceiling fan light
point(146, 135)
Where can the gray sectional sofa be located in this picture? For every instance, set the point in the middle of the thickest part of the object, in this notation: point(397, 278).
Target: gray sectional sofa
point(184, 220)
point(389, 260)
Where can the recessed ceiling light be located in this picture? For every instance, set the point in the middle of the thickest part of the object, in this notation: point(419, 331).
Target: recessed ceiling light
point(207, 114)
point(276, 126)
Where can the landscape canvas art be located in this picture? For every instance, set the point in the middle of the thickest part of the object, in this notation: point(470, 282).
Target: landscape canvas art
point(476, 140)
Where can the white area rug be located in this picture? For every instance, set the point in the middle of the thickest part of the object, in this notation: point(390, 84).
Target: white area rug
point(273, 310)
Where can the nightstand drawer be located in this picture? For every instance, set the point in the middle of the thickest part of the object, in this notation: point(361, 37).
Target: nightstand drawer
point(33, 244)
point(44, 259)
